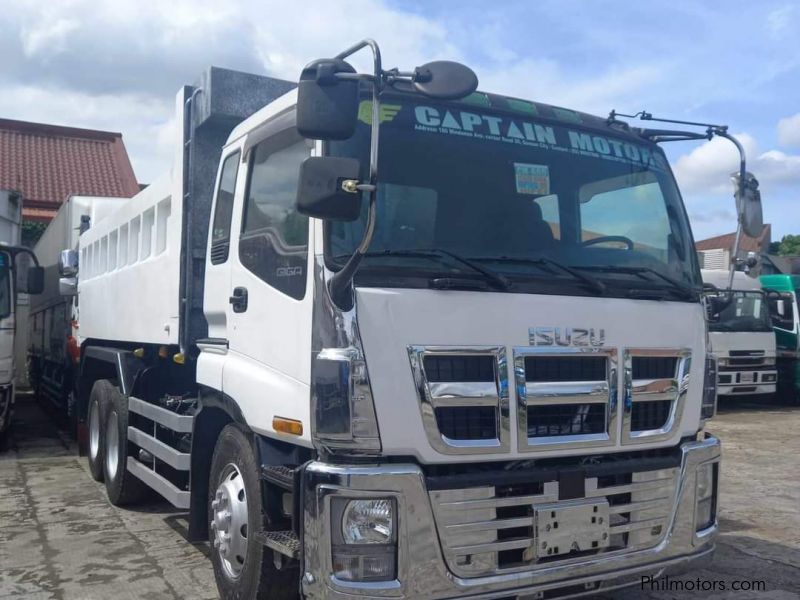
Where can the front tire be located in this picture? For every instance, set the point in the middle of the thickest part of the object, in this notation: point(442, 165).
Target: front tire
point(123, 488)
point(243, 567)
point(99, 399)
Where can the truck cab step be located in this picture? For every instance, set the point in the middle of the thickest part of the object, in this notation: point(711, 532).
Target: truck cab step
point(284, 542)
point(280, 475)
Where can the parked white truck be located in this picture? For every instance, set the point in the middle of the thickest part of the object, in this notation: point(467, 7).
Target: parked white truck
point(742, 337)
point(53, 346)
point(479, 370)
point(10, 250)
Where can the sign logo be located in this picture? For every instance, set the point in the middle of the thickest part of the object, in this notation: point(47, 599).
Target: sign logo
point(566, 336)
point(387, 112)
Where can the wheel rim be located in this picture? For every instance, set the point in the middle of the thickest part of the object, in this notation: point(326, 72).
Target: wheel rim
point(112, 444)
point(229, 521)
point(94, 431)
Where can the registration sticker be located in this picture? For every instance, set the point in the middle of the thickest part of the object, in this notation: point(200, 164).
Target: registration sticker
point(532, 179)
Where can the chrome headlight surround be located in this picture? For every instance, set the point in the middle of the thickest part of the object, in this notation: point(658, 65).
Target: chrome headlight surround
point(364, 539)
point(343, 413)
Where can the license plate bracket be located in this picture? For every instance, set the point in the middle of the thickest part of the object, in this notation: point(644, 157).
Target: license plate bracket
point(564, 527)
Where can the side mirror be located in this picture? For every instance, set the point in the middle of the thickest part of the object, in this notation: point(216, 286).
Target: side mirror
point(68, 286)
point(68, 263)
point(780, 307)
point(320, 191)
point(715, 304)
point(327, 106)
point(35, 283)
point(748, 204)
point(445, 79)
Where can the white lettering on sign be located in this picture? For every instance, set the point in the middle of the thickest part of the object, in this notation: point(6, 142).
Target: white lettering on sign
point(502, 129)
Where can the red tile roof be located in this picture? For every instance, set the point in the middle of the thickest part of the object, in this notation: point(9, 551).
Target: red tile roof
point(746, 243)
point(49, 163)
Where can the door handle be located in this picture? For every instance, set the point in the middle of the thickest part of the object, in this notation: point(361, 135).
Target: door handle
point(239, 299)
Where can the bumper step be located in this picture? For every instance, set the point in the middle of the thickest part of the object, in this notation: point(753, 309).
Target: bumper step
point(283, 542)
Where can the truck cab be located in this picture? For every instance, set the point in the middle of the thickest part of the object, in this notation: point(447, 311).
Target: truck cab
point(742, 338)
point(782, 292)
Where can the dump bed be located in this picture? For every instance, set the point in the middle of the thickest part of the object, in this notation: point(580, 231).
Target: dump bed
point(142, 268)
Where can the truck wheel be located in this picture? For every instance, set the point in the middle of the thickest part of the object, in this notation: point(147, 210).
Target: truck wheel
point(99, 399)
point(123, 488)
point(243, 567)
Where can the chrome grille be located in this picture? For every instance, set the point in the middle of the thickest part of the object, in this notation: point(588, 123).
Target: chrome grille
point(566, 395)
point(490, 530)
point(463, 395)
point(660, 379)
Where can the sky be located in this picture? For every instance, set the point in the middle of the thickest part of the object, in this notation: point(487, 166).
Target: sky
point(117, 64)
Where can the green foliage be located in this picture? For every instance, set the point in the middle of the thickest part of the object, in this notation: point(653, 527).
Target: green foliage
point(31, 232)
point(788, 246)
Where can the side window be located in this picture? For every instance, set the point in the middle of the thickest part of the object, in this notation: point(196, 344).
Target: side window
point(221, 228)
point(274, 240)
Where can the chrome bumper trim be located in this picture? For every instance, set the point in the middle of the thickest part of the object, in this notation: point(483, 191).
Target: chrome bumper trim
point(422, 572)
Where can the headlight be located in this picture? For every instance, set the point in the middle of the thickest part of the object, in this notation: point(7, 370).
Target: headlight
point(769, 361)
point(368, 522)
point(709, 405)
point(364, 539)
point(705, 494)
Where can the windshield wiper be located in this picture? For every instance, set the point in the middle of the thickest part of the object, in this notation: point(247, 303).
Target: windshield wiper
point(495, 279)
point(684, 290)
point(594, 283)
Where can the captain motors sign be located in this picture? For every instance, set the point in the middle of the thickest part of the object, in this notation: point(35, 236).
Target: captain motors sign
point(529, 133)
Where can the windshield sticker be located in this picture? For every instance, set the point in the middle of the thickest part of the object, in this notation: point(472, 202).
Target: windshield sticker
point(387, 112)
point(528, 133)
point(532, 179)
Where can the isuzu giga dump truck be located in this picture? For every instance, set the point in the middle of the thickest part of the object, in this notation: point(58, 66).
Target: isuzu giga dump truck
point(741, 337)
point(386, 336)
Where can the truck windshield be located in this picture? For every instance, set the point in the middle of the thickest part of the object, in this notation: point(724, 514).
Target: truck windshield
point(509, 191)
point(747, 312)
point(5, 285)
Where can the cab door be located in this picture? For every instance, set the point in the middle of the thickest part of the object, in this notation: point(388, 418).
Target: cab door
point(269, 311)
point(229, 191)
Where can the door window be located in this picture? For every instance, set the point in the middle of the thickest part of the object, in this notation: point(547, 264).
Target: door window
point(274, 239)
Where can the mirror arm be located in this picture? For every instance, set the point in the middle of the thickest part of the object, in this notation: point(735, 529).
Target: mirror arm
point(723, 132)
point(339, 285)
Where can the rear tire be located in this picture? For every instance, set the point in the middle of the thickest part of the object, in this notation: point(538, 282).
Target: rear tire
point(243, 567)
point(123, 488)
point(99, 399)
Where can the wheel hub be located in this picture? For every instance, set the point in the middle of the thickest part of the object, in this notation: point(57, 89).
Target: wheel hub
point(229, 521)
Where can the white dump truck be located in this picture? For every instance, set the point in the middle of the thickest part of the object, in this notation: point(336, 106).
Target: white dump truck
point(10, 266)
point(54, 340)
point(742, 337)
point(386, 336)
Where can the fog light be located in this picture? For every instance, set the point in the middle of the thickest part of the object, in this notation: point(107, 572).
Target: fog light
point(705, 494)
point(364, 546)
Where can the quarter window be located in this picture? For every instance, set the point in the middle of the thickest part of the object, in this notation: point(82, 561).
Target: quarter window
point(274, 239)
point(221, 228)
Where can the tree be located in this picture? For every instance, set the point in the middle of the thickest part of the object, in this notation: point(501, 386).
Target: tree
point(789, 245)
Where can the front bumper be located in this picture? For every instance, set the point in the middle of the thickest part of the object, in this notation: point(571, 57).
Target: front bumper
point(733, 382)
point(422, 571)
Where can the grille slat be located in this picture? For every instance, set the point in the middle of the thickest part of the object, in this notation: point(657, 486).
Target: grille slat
point(467, 422)
point(647, 415)
point(566, 419)
point(565, 368)
point(464, 369)
point(654, 367)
